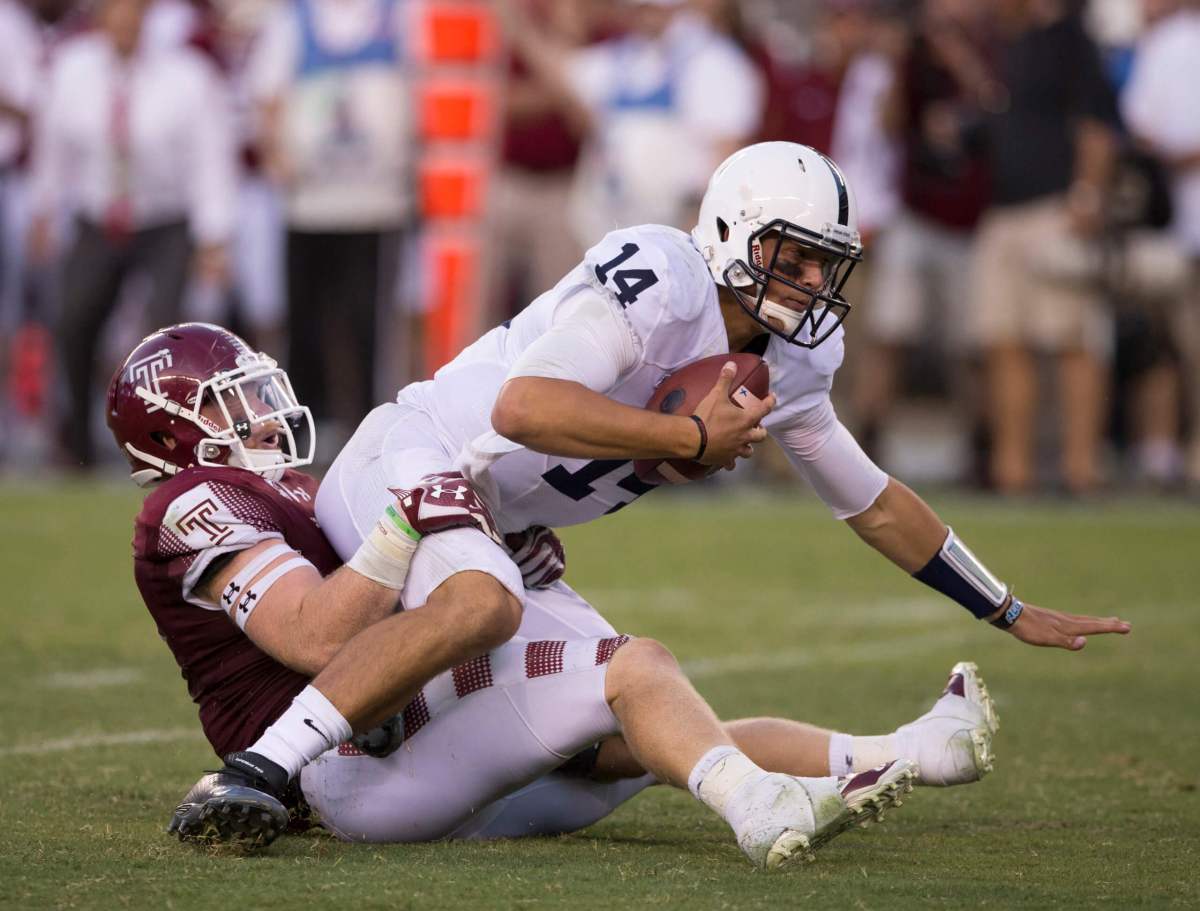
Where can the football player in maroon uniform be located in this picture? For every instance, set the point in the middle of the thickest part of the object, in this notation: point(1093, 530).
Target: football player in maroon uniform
point(228, 534)
point(288, 654)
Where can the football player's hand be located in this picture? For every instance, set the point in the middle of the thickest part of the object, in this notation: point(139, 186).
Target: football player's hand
point(444, 501)
point(732, 430)
point(539, 555)
point(1055, 629)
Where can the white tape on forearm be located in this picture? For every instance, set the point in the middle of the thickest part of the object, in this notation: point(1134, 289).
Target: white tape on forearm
point(386, 552)
point(252, 596)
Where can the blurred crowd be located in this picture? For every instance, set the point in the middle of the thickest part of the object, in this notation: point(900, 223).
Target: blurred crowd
point(1027, 175)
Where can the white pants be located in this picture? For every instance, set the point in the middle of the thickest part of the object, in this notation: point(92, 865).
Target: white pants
point(475, 736)
point(478, 768)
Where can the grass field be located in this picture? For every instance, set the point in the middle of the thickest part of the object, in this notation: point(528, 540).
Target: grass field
point(774, 608)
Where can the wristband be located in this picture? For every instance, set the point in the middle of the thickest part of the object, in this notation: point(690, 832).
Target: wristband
point(385, 553)
point(703, 436)
point(1011, 613)
point(959, 575)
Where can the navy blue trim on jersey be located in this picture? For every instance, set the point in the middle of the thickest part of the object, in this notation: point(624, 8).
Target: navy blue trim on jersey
point(843, 194)
point(942, 577)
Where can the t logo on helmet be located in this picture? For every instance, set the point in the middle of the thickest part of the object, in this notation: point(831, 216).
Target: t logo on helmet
point(144, 373)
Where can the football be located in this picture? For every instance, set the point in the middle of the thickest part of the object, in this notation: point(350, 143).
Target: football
point(685, 389)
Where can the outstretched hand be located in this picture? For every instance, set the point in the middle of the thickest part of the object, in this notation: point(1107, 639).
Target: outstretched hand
point(1055, 629)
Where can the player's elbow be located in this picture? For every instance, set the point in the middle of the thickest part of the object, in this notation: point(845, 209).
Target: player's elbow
point(876, 518)
point(514, 414)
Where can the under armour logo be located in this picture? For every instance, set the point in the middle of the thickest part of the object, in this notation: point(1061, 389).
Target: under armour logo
point(460, 493)
point(231, 592)
point(244, 607)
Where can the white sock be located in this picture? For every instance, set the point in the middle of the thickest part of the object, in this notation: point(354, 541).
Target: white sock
point(849, 754)
point(307, 729)
point(719, 773)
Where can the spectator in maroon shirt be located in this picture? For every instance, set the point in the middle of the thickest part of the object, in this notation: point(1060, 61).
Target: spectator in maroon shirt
point(944, 87)
point(532, 244)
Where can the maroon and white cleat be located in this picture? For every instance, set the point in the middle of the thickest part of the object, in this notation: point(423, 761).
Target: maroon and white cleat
point(792, 817)
point(952, 742)
point(862, 797)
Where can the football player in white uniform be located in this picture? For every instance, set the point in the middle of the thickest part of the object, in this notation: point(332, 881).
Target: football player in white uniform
point(544, 414)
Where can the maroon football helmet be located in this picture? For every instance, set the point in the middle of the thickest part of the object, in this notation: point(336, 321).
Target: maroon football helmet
point(193, 394)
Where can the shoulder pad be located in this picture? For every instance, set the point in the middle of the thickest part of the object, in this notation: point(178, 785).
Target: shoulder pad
point(200, 514)
point(802, 378)
point(663, 287)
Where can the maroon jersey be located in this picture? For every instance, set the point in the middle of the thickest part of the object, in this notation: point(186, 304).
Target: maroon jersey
point(188, 522)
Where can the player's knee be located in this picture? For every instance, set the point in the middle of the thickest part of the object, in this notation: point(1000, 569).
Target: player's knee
point(650, 653)
point(640, 662)
point(498, 615)
point(480, 608)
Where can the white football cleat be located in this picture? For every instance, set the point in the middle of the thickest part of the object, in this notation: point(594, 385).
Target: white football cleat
point(790, 818)
point(952, 742)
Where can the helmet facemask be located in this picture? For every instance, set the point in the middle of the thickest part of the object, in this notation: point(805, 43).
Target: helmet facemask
point(814, 313)
point(253, 401)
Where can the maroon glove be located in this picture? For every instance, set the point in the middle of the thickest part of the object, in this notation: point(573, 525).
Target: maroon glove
point(538, 554)
point(444, 501)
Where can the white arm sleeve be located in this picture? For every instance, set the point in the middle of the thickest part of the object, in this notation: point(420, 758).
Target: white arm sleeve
point(588, 342)
point(832, 462)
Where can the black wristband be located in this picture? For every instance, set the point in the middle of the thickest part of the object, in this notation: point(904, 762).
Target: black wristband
point(703, 436)
point(1012, 611)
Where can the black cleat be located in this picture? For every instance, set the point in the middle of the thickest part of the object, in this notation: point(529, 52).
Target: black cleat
point(236, 805)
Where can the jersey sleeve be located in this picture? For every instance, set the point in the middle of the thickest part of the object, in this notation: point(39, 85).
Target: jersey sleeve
point(664, 289)
point(829, 458)
point(588, 342)
point(205, 522)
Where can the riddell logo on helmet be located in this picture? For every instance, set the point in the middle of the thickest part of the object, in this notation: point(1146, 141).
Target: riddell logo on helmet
point(756, 254)
point(144, 373)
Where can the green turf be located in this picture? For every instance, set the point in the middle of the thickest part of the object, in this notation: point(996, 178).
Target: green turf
point(776, 607)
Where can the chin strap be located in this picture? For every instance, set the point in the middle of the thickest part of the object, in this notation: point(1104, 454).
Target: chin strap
point(786, 315)
point(146, 476)
point(269, 463)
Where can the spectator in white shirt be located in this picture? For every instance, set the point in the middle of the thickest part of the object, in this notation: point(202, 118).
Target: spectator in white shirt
point(665, 103)
point(137, 143)
point(18, 76)
point(332, 83)
point(1161, 106)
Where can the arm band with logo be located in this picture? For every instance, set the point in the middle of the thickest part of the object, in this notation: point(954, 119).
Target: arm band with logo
point(957, 573)
point(245, 590)
point(385, 553)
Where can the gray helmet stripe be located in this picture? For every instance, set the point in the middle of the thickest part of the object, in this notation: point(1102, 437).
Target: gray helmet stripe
point(843, 196)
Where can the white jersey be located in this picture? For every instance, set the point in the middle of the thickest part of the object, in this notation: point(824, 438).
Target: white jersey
point(668, 298)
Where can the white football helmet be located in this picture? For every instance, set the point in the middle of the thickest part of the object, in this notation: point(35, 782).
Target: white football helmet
point(799, 197)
